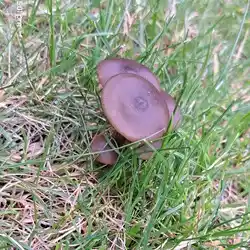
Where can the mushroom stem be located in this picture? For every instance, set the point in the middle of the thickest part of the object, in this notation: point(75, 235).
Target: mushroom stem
point(146, 151)
point(118, 138)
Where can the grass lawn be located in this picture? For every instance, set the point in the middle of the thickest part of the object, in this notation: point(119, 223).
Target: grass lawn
point(192, 194)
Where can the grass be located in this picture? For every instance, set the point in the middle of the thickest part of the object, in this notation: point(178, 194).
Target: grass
point(194, 192)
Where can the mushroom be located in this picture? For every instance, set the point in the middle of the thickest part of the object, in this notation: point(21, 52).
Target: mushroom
point(99, 144)
point(134, 107)
point(176, 117)
point(111, 67)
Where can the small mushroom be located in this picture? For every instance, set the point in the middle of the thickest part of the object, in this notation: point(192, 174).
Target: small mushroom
point(145, 151)
point(134, 107)
point(111, 67)
point(176, 117)
point(99, 144)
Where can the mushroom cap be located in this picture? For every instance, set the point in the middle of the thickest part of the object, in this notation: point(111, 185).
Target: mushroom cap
point(98, 144)
point(134, 107)
point(111, 67)
point(170, 101)
point(145, 151)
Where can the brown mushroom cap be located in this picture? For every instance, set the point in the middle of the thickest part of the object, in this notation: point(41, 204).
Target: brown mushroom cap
point(99, 144)
point(134, 107)
point(176, 119)
point(145, 151)
point(111, 67)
